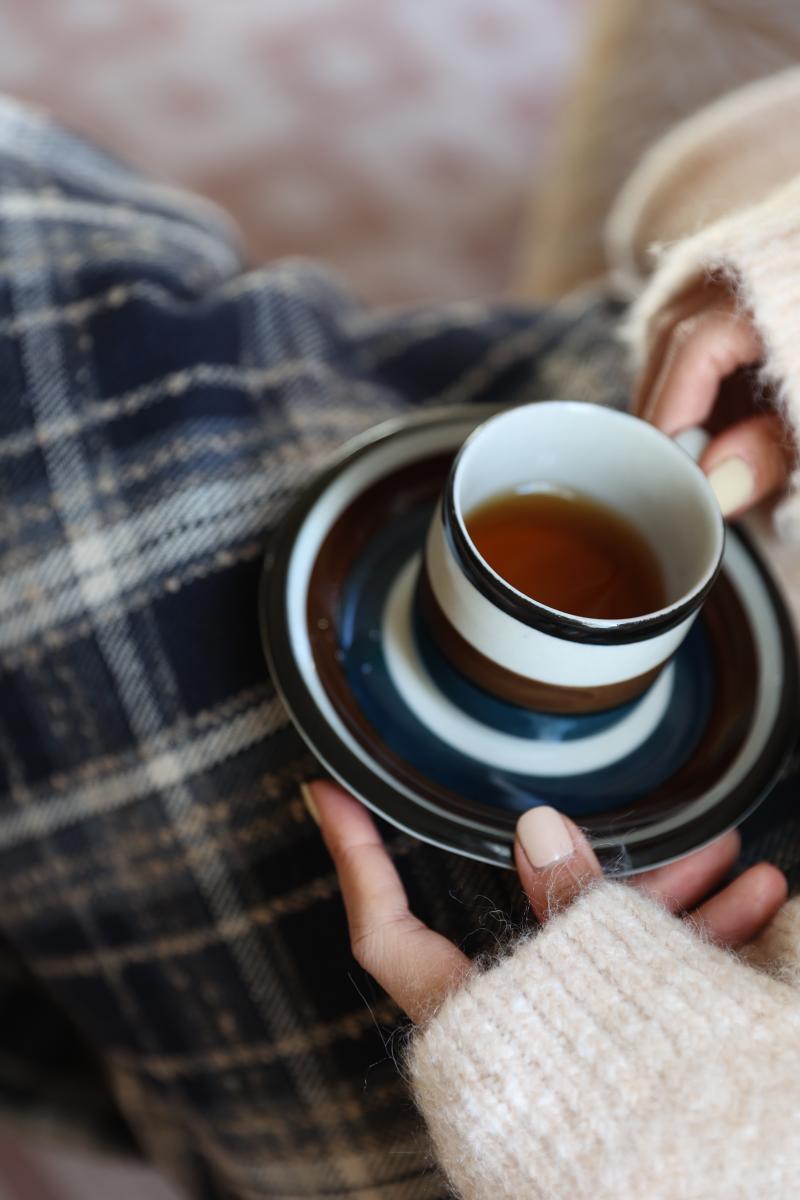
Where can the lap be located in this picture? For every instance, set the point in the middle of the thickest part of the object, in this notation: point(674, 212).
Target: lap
point(158, 872)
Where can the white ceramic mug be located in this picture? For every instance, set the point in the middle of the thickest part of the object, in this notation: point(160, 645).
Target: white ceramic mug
point(526, 652)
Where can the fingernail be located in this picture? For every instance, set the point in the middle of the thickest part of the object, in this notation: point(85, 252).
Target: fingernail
point(308, 800)
point(733, 483)
point(544, 836)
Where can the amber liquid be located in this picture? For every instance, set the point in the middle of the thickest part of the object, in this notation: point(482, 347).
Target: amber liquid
point(569, 552)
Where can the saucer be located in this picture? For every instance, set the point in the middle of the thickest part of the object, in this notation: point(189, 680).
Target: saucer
point(389, 718)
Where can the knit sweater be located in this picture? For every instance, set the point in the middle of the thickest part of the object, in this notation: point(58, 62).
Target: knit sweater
point(720, 195)
point(616, 1054)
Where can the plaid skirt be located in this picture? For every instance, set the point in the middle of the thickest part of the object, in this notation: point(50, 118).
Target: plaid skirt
point(174, 971)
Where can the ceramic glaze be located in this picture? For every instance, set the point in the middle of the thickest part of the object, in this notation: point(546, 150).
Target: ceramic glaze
point(621, 462)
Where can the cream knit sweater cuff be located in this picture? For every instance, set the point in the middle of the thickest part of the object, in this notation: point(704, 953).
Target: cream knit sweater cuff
point(615, 1055)
point(758, 250)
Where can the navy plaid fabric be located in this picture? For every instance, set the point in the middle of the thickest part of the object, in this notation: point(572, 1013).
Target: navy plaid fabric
point(174, 933)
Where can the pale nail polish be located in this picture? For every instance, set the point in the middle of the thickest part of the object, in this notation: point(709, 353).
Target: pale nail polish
point(308, 800)
point(544, 836)
point(733, 482)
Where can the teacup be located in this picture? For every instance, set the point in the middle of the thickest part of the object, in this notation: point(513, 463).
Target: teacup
point(521, 650)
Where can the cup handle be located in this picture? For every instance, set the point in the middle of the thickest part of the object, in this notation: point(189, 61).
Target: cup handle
point(693, 441)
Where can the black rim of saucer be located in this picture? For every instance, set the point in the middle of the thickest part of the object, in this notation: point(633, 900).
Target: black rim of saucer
point(418, 818)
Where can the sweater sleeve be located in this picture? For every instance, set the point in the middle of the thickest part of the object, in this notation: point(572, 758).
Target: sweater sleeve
point(615, 1055)
point(757, 250)
point(720, 197)
point(730, 155)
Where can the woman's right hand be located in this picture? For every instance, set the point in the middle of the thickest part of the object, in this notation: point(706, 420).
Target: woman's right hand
point(418, 967)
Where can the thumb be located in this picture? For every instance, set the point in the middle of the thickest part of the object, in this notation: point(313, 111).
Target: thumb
point(554, 860)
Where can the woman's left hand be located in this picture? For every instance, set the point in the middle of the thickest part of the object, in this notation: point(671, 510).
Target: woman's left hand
point(702, 346)
point(418, 967)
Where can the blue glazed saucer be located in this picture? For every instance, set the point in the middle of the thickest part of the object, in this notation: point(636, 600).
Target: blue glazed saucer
point(391, 719)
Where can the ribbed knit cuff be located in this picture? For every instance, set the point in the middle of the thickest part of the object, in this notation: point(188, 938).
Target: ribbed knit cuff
point(609, 1056)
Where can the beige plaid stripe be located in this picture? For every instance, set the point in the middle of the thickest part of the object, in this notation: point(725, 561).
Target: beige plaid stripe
point(157, 871)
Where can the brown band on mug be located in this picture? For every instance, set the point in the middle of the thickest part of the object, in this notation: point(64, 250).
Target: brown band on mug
point(518, 689)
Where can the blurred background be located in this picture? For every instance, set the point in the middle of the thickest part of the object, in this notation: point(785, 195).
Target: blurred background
point(399, 140)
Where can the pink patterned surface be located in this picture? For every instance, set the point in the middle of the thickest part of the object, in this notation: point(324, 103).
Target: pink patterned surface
point(396, 140)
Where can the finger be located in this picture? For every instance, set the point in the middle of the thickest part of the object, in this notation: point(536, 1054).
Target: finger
point(697, 300)
point(679, 885)
point(748, 462)
point(553, 858)
point(416, 966)
point(736, 914)
point(702, 351)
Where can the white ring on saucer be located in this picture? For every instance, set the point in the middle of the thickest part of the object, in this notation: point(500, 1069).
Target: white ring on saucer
point(755, 600)
point(505, 751)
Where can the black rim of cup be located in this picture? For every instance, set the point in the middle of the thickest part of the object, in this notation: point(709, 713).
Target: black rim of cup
point(538, 616)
